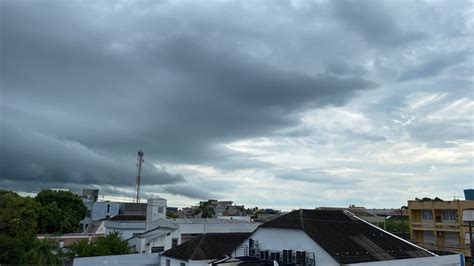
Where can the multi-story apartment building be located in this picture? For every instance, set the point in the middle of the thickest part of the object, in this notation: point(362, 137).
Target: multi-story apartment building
point(438, 224)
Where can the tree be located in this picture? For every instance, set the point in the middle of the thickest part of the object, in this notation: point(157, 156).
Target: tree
point(44, 252)
point(206, 209)
point(61, 211)
point(18, 226)
point(171, 214)
point(111, 244)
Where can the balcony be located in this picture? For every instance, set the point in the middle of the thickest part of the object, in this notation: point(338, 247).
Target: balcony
point(447, 226)
point(284, 257)
point(423, 225)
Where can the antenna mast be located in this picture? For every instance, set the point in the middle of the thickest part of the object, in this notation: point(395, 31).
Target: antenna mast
point(139, 177)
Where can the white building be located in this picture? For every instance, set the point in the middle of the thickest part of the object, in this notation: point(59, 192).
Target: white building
point(203, 250)
point(127, 225)
point(163, 233)
point(155, 210)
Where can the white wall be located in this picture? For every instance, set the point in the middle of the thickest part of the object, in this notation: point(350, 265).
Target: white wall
point(155, 210)
point(132, 259)
point(449, 260)
point(99, 210)
point(126, 228)
point(202, 228)
point(239, 218)
point(278, 239)
point(173, 261)
point(198, 228)
point(166, 240)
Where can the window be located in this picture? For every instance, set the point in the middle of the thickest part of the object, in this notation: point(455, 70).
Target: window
point(168, 262)
point(426, 215)
point(264, 255)
point(275, 256)
point(300, 257)
point(428, 237)
point(182, 264)
point(160, 209)
point(287, 256)
point(451, 239)
point(449, 215)
point(108, 208)
point(251, 247)
point(157, 249)
point(174, 242)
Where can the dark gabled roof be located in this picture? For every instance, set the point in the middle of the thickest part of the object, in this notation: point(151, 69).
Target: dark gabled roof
point(346, 238)
point(128, 218)
point(207, 246)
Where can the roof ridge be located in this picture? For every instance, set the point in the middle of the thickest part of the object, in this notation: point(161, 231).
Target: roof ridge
point(301, 219)
point(198, 246)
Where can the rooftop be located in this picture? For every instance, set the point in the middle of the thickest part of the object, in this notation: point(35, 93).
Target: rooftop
point(346, 238)
point(207, 246)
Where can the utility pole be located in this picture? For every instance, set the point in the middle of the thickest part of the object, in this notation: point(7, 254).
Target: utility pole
point(139, 176)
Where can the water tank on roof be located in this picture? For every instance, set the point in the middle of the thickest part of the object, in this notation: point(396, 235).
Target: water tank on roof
point(469, 194)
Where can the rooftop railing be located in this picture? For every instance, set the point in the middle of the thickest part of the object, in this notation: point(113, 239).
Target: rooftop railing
point(283, 257)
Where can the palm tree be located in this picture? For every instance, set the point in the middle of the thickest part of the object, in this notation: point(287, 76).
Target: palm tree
point(45, 252)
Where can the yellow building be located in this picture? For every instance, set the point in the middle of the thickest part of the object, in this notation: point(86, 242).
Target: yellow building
point(438, 225)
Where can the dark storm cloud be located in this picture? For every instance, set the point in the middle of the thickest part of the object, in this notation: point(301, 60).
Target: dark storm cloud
point(78, 100)
point(190, 191)
point(33, 156)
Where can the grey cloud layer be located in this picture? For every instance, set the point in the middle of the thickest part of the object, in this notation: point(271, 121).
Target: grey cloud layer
point(85, 84)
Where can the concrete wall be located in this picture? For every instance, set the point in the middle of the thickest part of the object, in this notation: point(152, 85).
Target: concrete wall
point(173, 261)
point(293, 239)
point(164, 240)
point(217, 228)
point(132, 259)
point(99, 210)
point(155, 210)
point(126, 228)
point(449, 260)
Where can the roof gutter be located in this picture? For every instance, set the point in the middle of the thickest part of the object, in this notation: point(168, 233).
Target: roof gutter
point(219, 261)
point(408, 242)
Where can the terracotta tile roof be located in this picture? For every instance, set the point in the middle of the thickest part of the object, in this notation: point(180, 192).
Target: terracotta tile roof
point(346, 238)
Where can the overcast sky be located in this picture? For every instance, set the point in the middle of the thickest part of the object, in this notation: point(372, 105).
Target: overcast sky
point(267, 103)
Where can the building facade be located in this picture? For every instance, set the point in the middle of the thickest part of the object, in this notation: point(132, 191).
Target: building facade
point(438, 225)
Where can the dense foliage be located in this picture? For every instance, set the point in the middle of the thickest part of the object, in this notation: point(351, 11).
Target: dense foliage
point(111, 244)
point(61, 211)
point(21, 218)
point(18, 224)
point(44, 252)
point(205, 209)
point(397, 226)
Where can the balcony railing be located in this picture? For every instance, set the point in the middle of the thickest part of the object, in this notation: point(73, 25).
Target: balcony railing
point(297, 257)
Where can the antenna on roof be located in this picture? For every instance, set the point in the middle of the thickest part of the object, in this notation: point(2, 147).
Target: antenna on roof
point(139, 177)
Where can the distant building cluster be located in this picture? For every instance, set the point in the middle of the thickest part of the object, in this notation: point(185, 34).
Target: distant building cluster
point(221, 232)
